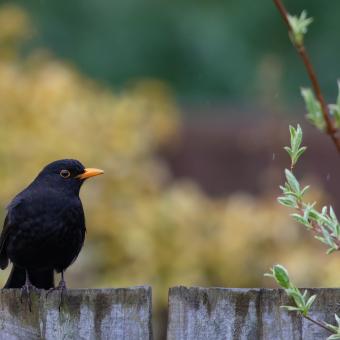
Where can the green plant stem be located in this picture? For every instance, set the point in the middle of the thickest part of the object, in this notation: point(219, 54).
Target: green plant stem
point(330, 128)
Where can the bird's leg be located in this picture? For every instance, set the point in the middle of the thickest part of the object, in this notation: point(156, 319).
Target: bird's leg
point(61, 287)
point(26, 289)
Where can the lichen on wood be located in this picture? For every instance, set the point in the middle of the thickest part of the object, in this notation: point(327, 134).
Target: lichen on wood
point(245, 314)
point(123, 313)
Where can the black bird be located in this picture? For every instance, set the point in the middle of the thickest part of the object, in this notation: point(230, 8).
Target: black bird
point(44, 229)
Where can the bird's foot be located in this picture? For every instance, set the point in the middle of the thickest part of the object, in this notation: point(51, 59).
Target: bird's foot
point(60, 288)
point(26, 290)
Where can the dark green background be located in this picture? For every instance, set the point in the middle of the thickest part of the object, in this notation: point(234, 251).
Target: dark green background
point(206, 50)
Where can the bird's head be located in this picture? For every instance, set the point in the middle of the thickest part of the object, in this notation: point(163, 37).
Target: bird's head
point(66, 175)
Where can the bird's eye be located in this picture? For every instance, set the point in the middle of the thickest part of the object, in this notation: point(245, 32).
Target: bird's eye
point(65, 173)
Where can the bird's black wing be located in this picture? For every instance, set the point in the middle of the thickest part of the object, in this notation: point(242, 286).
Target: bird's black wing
point(3, 239)
point(76, 220)
point(5, 231)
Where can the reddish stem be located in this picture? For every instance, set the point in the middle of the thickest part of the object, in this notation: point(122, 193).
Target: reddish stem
point(330, 128)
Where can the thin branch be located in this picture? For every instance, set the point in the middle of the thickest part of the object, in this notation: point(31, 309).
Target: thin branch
point(281, 8)
point(330, 128)
point(319, 323)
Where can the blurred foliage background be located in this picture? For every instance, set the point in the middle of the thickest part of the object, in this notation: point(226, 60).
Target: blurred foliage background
point(206, 50)
point(183, 200)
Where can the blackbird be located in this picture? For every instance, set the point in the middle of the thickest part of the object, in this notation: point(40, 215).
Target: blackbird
point(44, 229)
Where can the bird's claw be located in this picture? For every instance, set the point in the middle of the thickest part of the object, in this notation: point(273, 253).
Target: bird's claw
point(26, 289)
point(61, 288)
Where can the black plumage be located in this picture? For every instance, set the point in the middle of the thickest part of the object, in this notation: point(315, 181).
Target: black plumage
point(44, 229)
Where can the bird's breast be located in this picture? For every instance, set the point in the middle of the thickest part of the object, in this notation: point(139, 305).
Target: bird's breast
point(51, 234)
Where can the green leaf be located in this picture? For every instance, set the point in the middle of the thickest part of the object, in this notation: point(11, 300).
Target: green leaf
point(327, 237)
point(312, 213)
point(291, 308)
point(331, 250)
point(314, 112)
point(332, 327)
point(303, 191)
point(298, 298)
point(310, 302)
point(300, 219)
point(332, 214)
point(281, 276)
point(289, 151)
point(300, 152)
point(304, 295)
point(288, 201)
point(297, 137)
point(337, 231)
point(292, 132)
point(321, 239)
point(268, 275)
point(292, 181)
point(324, 210)
point(294, 150)
point(337, 319)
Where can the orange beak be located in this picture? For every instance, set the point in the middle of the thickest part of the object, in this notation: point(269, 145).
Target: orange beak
point(90, 172)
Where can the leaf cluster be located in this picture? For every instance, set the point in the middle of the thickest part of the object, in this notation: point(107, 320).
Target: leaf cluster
point(295, 151)
point(299, 26)
point(323, 223)
point(302, 302)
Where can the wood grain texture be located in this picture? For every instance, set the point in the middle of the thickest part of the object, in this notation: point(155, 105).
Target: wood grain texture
point(245, 314)
point(123, 313)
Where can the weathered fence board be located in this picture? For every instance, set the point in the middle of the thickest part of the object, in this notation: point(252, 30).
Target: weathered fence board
point(245, 314)
point(194, 313)
point(123, 313)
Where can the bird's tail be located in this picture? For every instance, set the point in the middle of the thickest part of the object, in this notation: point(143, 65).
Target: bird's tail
point(39, 278)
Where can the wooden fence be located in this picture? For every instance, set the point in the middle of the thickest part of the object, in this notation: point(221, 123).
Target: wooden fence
point(245, 314)
point(85, 314)
point(194, 313)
